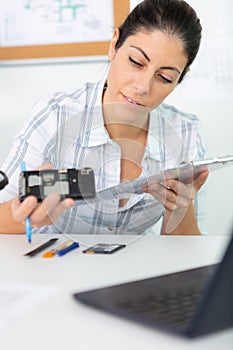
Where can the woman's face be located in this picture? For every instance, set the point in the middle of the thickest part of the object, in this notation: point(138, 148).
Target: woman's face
point(145, 69)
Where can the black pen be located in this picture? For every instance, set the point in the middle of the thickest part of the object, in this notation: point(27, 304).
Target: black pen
point(41, 247)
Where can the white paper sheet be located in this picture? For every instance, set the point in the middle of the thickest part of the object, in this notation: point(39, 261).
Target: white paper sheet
point(16, 300)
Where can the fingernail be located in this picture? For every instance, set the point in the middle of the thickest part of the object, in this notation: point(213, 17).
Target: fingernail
point(68, 203)
point(30, 201)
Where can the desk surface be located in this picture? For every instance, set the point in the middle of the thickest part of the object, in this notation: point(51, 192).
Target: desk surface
point(59, 322)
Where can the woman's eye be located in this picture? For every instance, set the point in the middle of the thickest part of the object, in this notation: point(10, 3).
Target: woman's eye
point(136, 63)
point(165, 80)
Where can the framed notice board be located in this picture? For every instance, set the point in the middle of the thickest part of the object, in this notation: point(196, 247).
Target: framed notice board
point(37, 29)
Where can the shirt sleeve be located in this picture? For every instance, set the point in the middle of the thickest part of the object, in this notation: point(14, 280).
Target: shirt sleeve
point(29, 145)
point(187, 129)
point(200, 199)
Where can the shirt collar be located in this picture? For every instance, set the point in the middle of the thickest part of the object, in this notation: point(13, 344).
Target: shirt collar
point(96, 134)
point(155, 148)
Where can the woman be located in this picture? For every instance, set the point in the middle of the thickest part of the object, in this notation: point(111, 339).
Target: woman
point(122, 129)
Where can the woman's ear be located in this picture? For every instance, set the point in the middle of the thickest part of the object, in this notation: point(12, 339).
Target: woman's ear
point(112, 45)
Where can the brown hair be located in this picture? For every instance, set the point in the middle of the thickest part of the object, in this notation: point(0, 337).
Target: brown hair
point(174, 17)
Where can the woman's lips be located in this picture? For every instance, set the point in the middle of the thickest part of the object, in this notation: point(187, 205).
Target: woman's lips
point(131, 101)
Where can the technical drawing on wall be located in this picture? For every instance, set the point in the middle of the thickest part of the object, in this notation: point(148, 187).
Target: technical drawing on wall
point(35, 22)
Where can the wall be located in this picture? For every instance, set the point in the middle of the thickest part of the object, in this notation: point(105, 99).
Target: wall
point(206, 92)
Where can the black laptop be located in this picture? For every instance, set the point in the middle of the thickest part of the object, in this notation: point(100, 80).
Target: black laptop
point(191, 303)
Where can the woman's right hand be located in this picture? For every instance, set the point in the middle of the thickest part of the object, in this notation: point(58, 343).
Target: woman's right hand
point(41, 214)
point(44, 213)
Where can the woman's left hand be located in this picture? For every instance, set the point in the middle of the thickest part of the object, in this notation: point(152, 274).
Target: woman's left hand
point(173, 194)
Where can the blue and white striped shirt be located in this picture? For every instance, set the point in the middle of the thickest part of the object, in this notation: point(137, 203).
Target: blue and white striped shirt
point(67, 129)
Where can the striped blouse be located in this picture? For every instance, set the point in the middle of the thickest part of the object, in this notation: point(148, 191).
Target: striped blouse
point(67, 129)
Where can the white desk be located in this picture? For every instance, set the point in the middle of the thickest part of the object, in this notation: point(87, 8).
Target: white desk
point(59, 322)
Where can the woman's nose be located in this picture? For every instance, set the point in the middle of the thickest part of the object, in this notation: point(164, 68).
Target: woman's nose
point(143, 83)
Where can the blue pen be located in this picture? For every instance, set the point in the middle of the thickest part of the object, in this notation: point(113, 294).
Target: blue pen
point(28, 228)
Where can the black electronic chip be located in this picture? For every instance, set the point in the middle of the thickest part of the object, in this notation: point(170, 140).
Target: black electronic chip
point(103, 248)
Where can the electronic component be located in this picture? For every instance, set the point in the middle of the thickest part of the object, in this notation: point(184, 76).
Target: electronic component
point(102, 248)
point(72, 183)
